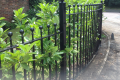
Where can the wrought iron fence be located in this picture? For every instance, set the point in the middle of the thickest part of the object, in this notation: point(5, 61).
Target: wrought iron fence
point(80, 28)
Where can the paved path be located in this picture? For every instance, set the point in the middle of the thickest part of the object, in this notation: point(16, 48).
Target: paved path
point(111, 69)
point(106, 65)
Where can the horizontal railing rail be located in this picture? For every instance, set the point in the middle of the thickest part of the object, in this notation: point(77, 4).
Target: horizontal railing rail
point(77, 39)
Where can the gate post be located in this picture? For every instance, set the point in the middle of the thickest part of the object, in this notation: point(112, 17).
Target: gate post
point(62, 15)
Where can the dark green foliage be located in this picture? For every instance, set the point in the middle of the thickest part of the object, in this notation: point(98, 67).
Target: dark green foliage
point(49, 0)
point(34, 7)
point(9, 25)
point(112, 3)
point(31, 13)
point(33, 3)
point(46, 14)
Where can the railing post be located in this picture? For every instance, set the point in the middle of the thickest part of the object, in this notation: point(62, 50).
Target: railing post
point(62, 15)
point(34, 71)
point(13, 67)
point(101, 10)
point(22, 32)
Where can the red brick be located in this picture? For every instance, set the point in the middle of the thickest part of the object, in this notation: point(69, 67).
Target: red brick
point(7, 7)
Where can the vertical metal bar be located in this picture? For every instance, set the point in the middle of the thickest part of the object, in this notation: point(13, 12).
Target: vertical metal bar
point(94, 28)
point(101, 19)
point(87, 35)
point(73, 37)
point(42, 51)
point(32, 30)
point(89, 30)
point(69, 44)
point(13, 67)
point(77, 36)
point(99, 24)
point(97, 28)
point(96, 22)
point(22, 32)
point(49, 53)
point(84, 35)
point(90, 33)
point(80, 38)
point(55, 45)
point(62, 13)
point(92, 14)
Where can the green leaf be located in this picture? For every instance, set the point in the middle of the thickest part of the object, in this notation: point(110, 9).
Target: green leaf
point(2, 56)
point(24, 21)
point(2, 24)
point(75, 51)
point(19, 75)
point(8, 58)
point(58, 53)
point(1, 31)
point(25, 66)
point(1, 18)
point(21, 46)
point(26, 58)
point(48, 59)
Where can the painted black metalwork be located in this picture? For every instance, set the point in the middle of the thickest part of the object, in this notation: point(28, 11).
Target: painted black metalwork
point(101, 10)
point(69, 45)
point(13, 67)
point(34, 71)
point(92, 32)
point(84, 60)
point(89, 37)
point(62, 15)
point(22, 32)
point(81, 39)
point(73, 37)
point(55, 45)
point(85, 22)
point(77, 37)
point(48, 26)
point(42, 51)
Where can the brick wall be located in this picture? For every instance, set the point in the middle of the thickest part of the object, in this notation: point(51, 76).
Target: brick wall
point(7, 7)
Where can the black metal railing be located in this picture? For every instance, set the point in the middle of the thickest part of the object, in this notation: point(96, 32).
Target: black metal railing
point(80, 29)
point(85, 25)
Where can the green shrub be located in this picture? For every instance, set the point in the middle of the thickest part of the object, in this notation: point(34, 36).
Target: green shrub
point(33, 3)
point(2, 38)
point(32, 13)
point(9, 25)
point(46, 14)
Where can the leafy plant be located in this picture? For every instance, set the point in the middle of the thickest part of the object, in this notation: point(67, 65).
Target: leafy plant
point(20, 19)
point(49, 14)
point(34, 3)
point(19, 59)
point(2, 38)
point(8, 25)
